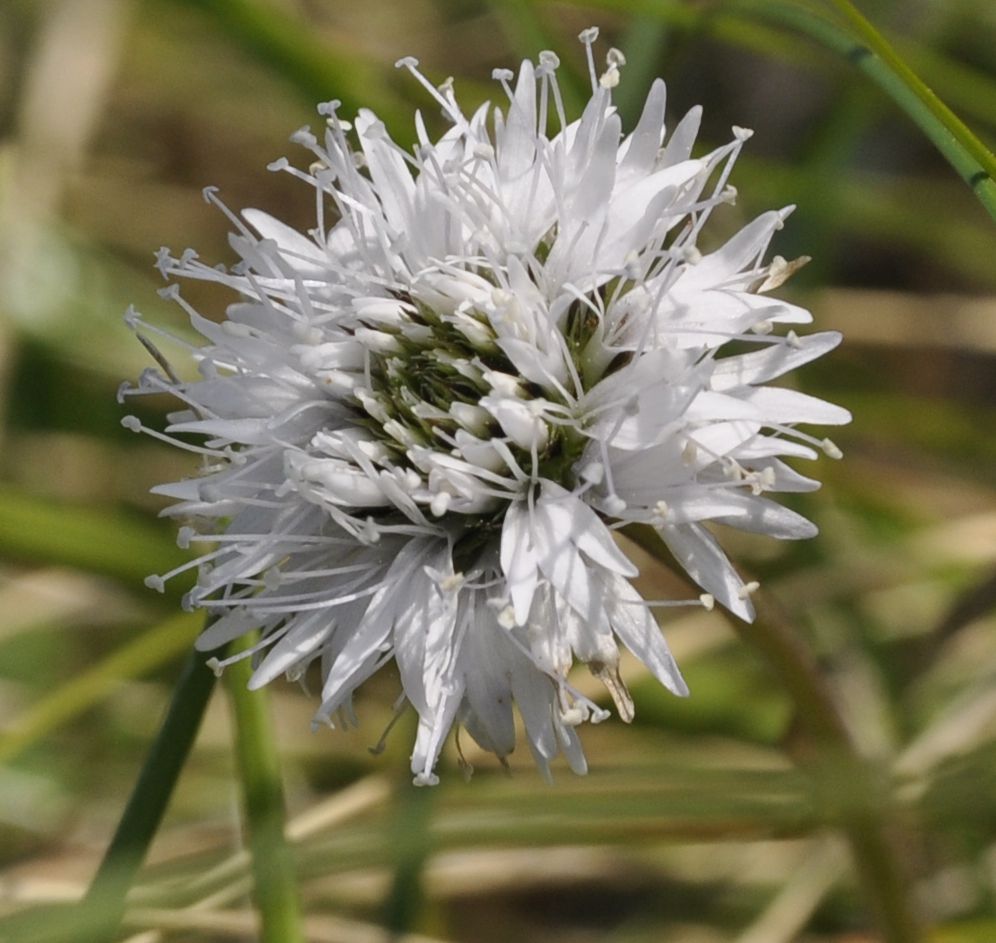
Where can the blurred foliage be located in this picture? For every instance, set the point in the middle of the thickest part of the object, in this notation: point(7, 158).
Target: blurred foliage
point(695, 824)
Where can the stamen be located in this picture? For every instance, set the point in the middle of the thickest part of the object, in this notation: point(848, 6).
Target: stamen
point(748, 589)
point(831, 450)
point(398, 710)
point(588, 37)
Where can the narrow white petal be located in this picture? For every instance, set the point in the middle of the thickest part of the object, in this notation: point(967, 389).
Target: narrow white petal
point(763, 365)
point(639, 632)
point(519, 558)
point(777, 405)
point(701, 557)
point(303, 638)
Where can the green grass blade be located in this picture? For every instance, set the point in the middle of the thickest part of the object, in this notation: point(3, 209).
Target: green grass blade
point(914, 86)
point(737, 22)
point(104, 904)
point(411, 845)
point(966, 154)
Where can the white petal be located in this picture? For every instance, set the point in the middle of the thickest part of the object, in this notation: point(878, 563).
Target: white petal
point(679, 146)
point(639, 632)
point(738, 509)
point(391, 177)
point(519, 559)
point(703, 560)
point(639, 151)
point(229, 627)
point(566, 517)
point(777, 405)
point(369, 638)
point(763, 365)
point(487, 660)
point(298, 251)
point(301, 640)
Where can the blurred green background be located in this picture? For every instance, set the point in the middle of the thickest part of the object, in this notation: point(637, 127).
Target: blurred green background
point(694, 825)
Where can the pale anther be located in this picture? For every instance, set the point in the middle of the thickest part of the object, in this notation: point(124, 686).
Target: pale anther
point(830, 449)
point(748, 589)
point(613, 504)
point(593, 473)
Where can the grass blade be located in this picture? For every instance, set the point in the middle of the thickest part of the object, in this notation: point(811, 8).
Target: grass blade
point(104, 904)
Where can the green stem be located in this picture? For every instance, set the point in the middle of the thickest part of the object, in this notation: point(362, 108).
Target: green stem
point(105, 901)
point(879, 865)
point(262, 795)
point(877, 43)
point(410, 840)
point(830, 747)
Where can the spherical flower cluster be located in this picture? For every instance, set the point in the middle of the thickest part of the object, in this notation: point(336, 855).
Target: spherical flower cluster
point(423, 419)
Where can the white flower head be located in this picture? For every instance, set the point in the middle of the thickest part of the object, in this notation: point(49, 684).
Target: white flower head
point(423, 419)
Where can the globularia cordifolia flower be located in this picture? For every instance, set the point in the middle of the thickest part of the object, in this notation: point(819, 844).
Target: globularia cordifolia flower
point(423, 419)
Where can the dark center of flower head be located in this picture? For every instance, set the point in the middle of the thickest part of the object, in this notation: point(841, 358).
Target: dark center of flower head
point(449, 409)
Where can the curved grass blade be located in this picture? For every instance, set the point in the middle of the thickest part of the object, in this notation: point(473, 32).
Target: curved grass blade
point(104, 903)
point(971, 159)
point(876, 43)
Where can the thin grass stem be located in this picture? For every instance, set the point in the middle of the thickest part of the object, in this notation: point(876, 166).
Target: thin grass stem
point(104, 903)
point(970, 158)
point(878, 44)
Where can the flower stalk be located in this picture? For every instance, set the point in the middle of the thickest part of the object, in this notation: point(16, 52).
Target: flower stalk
point(867, 829)
point(258, 764)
